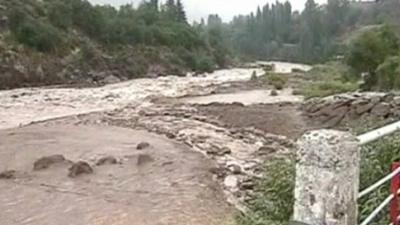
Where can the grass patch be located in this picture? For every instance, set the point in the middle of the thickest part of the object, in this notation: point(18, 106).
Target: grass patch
point(328, 79)
point(273, 202)
point(323, 89)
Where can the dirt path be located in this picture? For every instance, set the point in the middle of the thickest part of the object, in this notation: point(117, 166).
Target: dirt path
point(173, 187)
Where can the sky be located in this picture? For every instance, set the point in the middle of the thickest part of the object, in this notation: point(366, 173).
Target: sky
point(197, 9)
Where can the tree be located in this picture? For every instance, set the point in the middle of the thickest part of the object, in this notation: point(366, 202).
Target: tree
point(170, 10)
point(60, 14)
point(181, 12)
point(154, 4)
point(388, 74)
point(370, 50)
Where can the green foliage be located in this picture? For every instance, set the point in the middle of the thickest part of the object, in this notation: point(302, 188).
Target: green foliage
point(323, 89)
point(328, 79)
point(60, 14)
point(273, 202)
point(277, 80)
point(388, 74)
point(275, 31)
point(204, 63)
point(370, 50)
point(73, 22)
point(39, 35)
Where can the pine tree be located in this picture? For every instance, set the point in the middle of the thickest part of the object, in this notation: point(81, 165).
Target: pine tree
point(181, 12)
point(154, 4)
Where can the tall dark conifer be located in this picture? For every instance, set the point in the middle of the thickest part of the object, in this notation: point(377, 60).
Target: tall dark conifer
point(181, 14)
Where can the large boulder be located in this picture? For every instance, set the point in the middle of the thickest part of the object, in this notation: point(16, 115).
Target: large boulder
point(381, 109)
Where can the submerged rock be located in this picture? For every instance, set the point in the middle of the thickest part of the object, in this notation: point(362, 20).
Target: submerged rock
point(142, 145)
point(108, 160)
point(79, 168)
point(46, 162)
point(8, 174)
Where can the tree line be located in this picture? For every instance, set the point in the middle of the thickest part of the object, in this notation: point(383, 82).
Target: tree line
point(276, 31)
point(273, 32)
point(57, 26)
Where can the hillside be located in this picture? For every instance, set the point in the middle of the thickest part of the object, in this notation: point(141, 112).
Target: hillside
point(70, 41)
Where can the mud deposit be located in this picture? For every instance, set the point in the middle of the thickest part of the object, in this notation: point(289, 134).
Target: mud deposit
point(280, 119)
point(246, 97)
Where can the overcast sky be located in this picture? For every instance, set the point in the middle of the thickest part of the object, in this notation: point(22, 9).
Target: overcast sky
point(197, 9)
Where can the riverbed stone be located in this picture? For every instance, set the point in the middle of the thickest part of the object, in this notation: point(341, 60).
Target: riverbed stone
point(47, 161)
point(231, 182)
point(108, 160)
point(142, 145)
point(381, 110)
point(79, 168)
point(8, 174)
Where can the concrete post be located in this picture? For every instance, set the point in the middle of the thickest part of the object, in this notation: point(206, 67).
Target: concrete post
point(327, 178)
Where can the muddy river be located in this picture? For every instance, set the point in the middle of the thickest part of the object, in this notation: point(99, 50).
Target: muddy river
point(23, 106)
point(174, 180)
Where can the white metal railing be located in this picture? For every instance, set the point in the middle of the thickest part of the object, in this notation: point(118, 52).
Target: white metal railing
point(379, 183)
point(376, 212)
point(378, 133)
point(366, 139)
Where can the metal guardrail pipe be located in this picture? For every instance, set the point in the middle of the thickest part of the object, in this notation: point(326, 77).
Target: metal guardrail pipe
point(379, 183)
point(378, 133)
point(371, 217)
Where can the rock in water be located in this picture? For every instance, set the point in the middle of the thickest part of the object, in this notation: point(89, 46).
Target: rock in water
point(46, 162)
point(80, 168)
point(109, 160)
point(8, 174)
point(142, 145)
point(274, 93)
point(235, 169)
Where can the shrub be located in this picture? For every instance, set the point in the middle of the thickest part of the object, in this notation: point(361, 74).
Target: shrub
point(60, 14)
point(277, 80)
point(370, 50)
point(39, 35)
point(204, 63)
point(388, 74)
